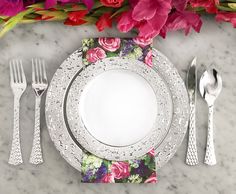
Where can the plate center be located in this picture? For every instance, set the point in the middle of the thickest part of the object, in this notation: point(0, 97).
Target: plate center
point(118, 107)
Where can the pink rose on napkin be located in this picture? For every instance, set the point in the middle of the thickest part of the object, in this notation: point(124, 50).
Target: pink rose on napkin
point(148, 59)
point(152, 178)
point(95, 54)
point(142, 41)
point(120, 170)
point(109, 44)
point(108, 178)
point(151, 153)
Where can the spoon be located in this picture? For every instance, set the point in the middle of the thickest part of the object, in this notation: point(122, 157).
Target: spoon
point(210, 87)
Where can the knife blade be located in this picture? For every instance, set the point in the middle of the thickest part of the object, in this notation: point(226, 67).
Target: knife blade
point(192, 155)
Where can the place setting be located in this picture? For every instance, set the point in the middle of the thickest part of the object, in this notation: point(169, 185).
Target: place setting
point(116, 109)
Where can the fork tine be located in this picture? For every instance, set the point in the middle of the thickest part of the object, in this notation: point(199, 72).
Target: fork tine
point(33, 72)
point(37, 71)
point(44, 72)
point(14, 71)
point(22, 72)
point(11, 73)
point(40, 71)
point(18, 71)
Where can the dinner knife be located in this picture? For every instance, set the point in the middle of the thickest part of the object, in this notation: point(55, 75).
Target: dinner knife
point(192, 155)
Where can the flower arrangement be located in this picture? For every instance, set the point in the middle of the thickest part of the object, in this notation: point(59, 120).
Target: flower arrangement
point(148, 18)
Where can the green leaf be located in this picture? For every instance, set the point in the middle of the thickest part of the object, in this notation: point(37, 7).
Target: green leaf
point(68, 8)
point(107, 163)
point(122, 9)
point(55, 14)
point(37, 5)
point(101, 11)
point(90, 20)
point(97, 4)
point(1, 21)
point(13, 21)
point(152, 166)
point(147, 160)
point(232, 5)
point(111, 54)
point(224, 8)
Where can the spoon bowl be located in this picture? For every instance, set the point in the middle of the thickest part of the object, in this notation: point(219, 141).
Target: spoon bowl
point(210, 86)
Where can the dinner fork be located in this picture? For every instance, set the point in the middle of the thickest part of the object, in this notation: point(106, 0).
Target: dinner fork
point(39, 84)
point(18, 86)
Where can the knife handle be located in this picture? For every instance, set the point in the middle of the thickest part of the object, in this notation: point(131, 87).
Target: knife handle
point(192, 156)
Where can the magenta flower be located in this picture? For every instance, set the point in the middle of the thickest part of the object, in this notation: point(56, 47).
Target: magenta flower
point(209, 5)
point(11, 7)
point(52, 3)
point(149, 16)
point(182, 20)
point(228, 17)
point(180, 5)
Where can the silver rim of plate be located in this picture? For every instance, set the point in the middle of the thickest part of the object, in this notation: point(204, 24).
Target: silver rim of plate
point(80, 131)
point(67, 144)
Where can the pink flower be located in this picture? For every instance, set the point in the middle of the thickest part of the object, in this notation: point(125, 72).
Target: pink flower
point(149, 16)
point(180, 5)
point(109, 44)
point(152, 178)
point(108, 178)
point(120, 170)
point(142, 41)
point(126, 22)
point(95, 54)
point(10, 7)
point(182, 20)
point(151, 153)
point(228, 17)
point(209, 5)
point(52, 3)
point(148, 58)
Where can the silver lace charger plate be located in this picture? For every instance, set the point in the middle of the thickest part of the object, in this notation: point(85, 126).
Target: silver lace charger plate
point(68, 145)
point(156, 128)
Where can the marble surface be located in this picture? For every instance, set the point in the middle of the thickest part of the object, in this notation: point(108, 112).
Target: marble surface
point(214, 45)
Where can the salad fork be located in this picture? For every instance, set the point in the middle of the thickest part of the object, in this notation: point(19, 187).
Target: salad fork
point(39, 84)
point(18, 86)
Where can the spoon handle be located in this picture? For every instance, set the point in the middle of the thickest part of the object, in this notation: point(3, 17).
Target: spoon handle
point(210, 157)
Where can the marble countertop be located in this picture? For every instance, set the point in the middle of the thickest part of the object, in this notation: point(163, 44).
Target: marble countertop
point(214, 45)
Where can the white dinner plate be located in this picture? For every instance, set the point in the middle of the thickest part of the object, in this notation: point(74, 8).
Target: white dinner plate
point(118, 108)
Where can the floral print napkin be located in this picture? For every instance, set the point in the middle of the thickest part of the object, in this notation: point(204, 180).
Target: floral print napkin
point(140, 170)
point(95, 169)
point(95, 49)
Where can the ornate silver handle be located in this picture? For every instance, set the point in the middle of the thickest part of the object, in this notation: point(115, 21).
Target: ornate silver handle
point(36, 156)
point(15, 154)
point(192, 156)
point(210, 157)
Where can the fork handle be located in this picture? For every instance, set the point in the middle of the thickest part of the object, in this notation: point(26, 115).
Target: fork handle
point(36, 156)
point(15, 153)
point(192, 156)
point(210, 157)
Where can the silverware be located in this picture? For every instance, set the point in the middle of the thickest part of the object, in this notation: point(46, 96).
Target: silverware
point(210, 87)
point(39, 84)
point(18, 85)
point(192, 155)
